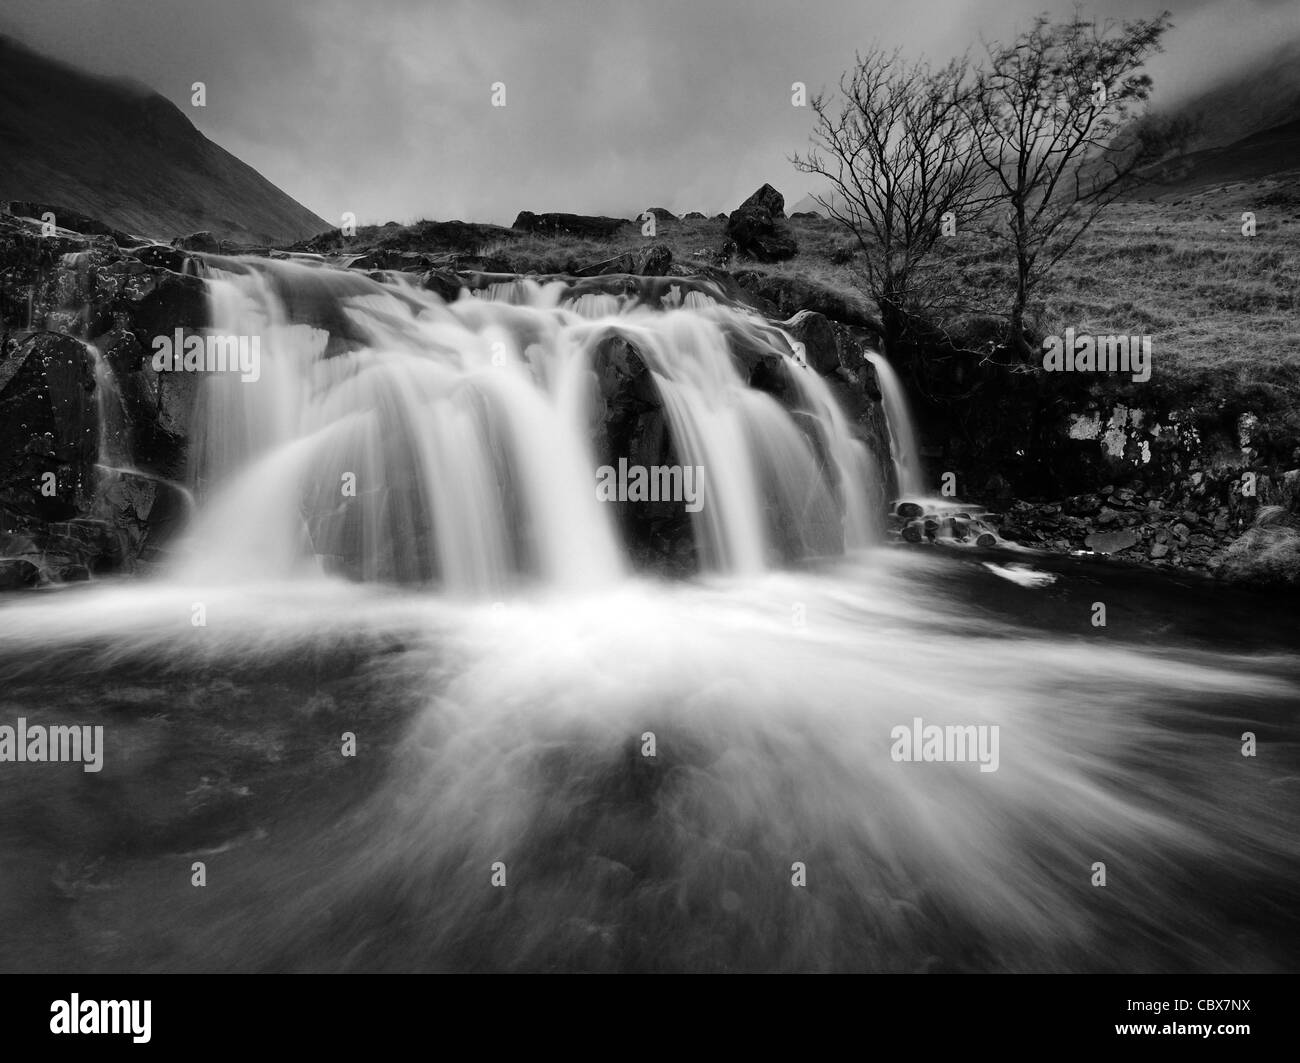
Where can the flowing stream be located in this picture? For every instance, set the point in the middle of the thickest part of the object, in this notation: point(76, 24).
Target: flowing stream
point(563, 763)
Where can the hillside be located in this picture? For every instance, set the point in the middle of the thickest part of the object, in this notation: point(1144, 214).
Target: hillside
point(118, 151)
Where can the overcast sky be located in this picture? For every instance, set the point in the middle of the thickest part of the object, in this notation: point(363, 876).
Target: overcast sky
point(383, 107)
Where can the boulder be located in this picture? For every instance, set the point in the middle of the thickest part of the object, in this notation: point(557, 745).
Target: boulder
point(758, 228)
point(444, 283)
point(654, 261)
point(660, 213)
point(817, 335)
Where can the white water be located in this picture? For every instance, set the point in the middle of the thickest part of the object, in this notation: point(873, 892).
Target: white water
point(516, 736)
point(468, 431)
point(902, 435)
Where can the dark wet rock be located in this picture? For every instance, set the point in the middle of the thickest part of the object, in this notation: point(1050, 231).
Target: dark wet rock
point(909, 510)
point(205, 242)
point(444, 283)
point(16, 574)
point(48, 427)
point(160, 255)
point(820, 345)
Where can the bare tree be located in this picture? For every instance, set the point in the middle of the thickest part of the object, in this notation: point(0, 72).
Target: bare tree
point(899, 153)
point(1052, 120)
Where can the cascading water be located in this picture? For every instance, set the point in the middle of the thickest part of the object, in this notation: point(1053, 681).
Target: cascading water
point(902, 435)
point(920, 515)
point(464, 432)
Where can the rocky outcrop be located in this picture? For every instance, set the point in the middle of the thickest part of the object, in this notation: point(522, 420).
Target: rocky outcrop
point(758, 229)
point(584, 225)
point(68, 406)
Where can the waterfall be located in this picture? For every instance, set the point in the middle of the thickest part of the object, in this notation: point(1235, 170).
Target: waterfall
point(902, 436)
point(392, 435)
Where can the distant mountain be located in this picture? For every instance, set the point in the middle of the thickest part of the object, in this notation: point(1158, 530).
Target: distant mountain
point(1263, 154)
point(115, 150)
point(1263, 95)
point(808, 205)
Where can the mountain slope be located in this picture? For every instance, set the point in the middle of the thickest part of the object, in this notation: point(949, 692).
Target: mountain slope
point(117, 151)
point(1262, 95)
point(1263, 154)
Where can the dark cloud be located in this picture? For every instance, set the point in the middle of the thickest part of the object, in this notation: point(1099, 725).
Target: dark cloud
point(382, 107)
